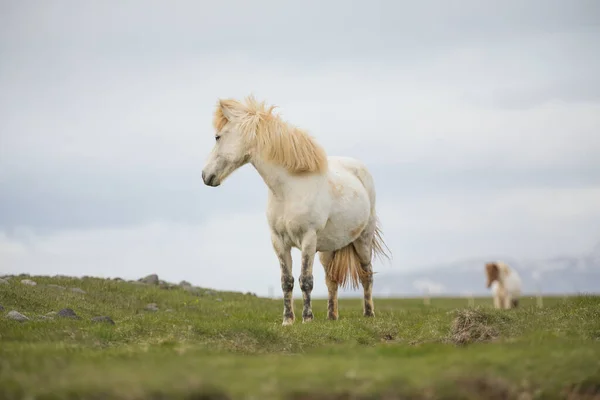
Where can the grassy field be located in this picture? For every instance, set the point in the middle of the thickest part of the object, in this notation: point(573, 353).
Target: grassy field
point(203, 344)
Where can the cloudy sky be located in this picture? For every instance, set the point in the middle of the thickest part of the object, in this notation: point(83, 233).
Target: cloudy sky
point(480, 122)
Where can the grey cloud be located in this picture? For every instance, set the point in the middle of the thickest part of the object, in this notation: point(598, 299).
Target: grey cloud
point(62, 199)
point(522, 99)
point(299, 31)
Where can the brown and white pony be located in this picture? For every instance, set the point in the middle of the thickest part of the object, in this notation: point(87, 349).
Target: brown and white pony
point(508, 284)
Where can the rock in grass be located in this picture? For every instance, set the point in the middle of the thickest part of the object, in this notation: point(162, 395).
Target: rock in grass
point(51, 314)
point(150, 279)
point(192, 289)
point(17, 316)
point(104, 319)
point(185, 284)
point(1, 308)
point(56, 286)
point(3, 281)
point(152, 307)
point(166, 285)
point(28, 282)
point(77, 290)
point(67, 313)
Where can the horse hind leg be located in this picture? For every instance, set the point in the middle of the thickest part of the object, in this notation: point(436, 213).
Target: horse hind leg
point(342, 267)
point(364, 250)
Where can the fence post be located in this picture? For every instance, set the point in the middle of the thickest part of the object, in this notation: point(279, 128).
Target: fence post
point(426, 299)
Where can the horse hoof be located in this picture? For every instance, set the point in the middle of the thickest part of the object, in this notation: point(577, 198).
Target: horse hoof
point(287, 322)
point(370, 314)
point(308, 317)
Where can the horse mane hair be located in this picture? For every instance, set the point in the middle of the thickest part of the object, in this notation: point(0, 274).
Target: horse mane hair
point(271, 137)
point(497, 270)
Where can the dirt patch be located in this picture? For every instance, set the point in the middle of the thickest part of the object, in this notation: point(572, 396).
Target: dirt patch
point(388, 337)
point(209, 394)
point(322, 396)
point(349, 396)
point(471, 388)
point(489, 389)
point(472, 325)
point(585, 390)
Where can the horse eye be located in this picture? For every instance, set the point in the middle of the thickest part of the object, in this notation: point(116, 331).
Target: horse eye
point(217, 138)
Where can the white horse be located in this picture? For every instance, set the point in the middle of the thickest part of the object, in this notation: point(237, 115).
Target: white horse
point(316, 203)
point(508, 284)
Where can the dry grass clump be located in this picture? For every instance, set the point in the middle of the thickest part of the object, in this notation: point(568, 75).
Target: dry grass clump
point(472, 325)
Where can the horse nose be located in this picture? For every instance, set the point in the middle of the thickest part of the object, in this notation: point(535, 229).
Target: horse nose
point(208, 179)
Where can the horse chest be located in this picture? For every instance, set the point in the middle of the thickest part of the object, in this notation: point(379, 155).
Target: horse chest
point(292, 221)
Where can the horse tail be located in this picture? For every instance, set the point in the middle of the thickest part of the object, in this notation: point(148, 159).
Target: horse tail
point(345, 265)
point(379, 243)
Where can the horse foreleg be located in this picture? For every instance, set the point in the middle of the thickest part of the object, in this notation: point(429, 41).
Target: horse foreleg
point(507, 301)
point(497, 301)
point(332, 287)
point(309, 248)
point(284, 254)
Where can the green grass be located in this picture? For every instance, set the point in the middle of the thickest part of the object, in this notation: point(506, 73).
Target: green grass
point(232, 345)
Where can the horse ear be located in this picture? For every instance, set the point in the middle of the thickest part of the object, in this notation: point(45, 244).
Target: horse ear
point(230, 108)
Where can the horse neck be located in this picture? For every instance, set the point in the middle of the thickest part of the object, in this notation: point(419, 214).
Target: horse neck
point(501, 280)
point(503, 275)
point(279, 180)
point(274, 176)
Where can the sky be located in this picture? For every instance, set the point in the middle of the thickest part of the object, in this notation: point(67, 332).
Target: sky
point(480, 122)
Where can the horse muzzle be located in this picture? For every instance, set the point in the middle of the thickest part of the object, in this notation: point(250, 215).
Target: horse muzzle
point(210, 179)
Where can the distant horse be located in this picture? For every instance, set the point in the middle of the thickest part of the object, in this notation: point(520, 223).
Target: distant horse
point(508, 288)
point(316, 203)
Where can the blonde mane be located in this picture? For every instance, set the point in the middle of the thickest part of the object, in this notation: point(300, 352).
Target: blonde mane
point(272, 138)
